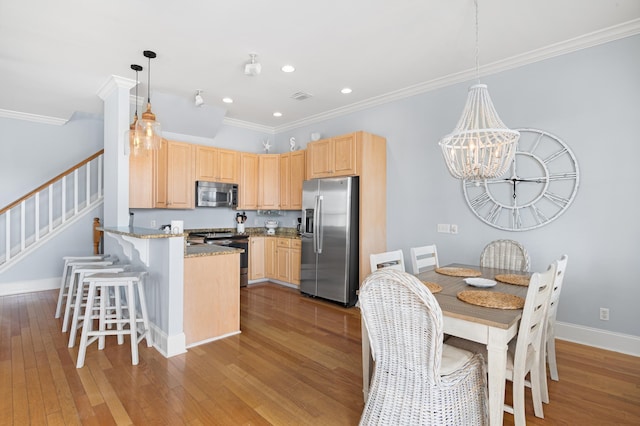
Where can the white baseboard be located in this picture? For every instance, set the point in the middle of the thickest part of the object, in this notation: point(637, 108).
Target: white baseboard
point(609, 340)
point(20, 287)
point(168, 346)
point(213, 339)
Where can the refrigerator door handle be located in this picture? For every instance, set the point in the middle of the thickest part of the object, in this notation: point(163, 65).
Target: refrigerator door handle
point(320, 225)
point(315, 226)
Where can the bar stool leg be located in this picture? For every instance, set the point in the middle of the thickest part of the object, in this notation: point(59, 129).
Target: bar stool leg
point(132, 323)
point(71, 292)
point(145, 317)
point(119, 325)
point(86, 326)
point(63, 288)
point(102, 319)
point(76, 310)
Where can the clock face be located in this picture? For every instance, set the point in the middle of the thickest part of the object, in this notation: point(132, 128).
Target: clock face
point(538, 187)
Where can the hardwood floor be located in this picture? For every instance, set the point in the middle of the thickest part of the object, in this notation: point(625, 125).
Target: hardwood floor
point(296, 362)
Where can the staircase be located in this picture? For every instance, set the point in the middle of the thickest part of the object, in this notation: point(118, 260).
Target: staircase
point(30, 221)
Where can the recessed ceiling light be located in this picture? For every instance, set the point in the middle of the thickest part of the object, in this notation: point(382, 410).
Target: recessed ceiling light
point(277, 114)
point(346, 90)
point(227, 100)
point(288, 68)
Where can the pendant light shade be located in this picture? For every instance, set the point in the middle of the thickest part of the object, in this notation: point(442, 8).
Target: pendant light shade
point(148, 130)
point(480, 146)
point(135, 146)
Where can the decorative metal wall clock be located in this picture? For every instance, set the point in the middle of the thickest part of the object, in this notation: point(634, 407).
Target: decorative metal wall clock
point(538, 187)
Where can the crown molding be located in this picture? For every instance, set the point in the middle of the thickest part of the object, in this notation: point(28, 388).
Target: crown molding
point(43, 119)
point(578, 43)
point(248, 125)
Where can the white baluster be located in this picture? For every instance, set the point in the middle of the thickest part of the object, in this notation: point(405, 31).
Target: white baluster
point(7, 231)
point(50, 207)
point(36, 217)
point(75, 192)
point(64, 197)
point(22, 204)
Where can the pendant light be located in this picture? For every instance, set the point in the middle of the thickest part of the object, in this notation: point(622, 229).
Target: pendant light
point(134, 141)
point(148, 129)
point(480, 146)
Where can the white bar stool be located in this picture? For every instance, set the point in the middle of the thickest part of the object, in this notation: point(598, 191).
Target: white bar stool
point(64, 281)
point(101, 283)
point(71, 284)
point(80, 272)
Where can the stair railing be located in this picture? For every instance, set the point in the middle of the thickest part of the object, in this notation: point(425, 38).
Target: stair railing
point(33, 218)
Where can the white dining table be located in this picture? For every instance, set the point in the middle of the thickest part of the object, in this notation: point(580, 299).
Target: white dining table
point(490, 326)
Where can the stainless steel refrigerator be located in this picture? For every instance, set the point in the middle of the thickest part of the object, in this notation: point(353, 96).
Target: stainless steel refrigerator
point(329, 236)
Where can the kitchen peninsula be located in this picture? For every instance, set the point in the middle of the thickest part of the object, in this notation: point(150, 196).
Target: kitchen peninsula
point(193, 293)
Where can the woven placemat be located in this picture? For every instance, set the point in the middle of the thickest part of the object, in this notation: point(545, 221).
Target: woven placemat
point(459, 272)
point(513, 279)
point(433, 287)
point(491, 299)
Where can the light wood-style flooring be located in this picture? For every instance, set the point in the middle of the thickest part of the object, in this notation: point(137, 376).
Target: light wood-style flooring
point(296, 362)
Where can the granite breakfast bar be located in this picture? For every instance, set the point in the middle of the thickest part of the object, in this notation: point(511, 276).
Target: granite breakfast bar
point(192, 292)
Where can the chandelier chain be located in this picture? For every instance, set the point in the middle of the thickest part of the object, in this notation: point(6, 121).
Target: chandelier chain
point(477, 44)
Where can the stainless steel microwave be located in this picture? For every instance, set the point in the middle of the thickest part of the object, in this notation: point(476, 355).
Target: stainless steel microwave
point(216, 194)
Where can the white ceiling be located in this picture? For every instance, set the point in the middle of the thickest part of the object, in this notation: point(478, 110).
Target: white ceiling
point(55, 55)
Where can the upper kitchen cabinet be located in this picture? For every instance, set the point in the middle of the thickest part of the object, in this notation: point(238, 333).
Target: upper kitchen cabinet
point(292, 174)
point(269, 181)
point(336, 156)
point(175, 172)
point(248, 186)
point(163, 178)
point(217, 165)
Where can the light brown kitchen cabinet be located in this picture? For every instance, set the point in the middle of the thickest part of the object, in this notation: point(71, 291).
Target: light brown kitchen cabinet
point(257, 258)
point(163, 178)
point(216, 164)
point(269, 181)
point(292, 174)
point(296, 260)
point(248, 186)
point(283, 259)
point(331, 157)
point(270, 269)
point(365, 155)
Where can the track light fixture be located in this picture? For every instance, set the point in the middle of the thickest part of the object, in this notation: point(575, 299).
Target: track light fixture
point(199, 101)
point(253, 67)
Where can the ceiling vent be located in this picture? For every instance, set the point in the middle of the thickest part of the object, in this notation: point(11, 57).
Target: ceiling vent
point(301, 96)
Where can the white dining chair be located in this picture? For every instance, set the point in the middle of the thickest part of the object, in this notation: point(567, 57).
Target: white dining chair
point(390, 259)
point(524, 354)
point(505, 254)
point(417, 379)
point(549, 354)
point(424, 258)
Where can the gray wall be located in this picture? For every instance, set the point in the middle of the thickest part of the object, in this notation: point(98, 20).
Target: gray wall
point(590, 99)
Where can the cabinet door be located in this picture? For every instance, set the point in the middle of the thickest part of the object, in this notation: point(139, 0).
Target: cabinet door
point(268, 181)
point(296, 178)
point(141, 184)
point(256, 258)
point(227, 166)
point(296, 253)
point(319, 159)
point(344, 155)
point(283, 260)
point(248, 187)
point(206, 158)
point(285, 181)
point(180, 181)
point(270, 257)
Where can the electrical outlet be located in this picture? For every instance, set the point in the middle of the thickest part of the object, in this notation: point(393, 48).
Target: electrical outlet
point(444, 228)
point(454, 229)
point(153, 223)
point(604, 314)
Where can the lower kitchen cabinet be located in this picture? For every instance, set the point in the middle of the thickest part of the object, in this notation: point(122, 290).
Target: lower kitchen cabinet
point(270, 265)
point(288, 254)
point(211, 300)
point(257, 258)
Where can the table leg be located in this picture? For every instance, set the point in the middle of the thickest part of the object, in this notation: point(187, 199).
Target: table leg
point(496, 372)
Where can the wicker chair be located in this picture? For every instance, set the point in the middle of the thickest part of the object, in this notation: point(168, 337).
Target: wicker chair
point(525, 353)
point(505, 254)
point(417, 380)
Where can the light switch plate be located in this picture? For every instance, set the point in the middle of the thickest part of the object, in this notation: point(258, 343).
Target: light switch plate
point(444, 228)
